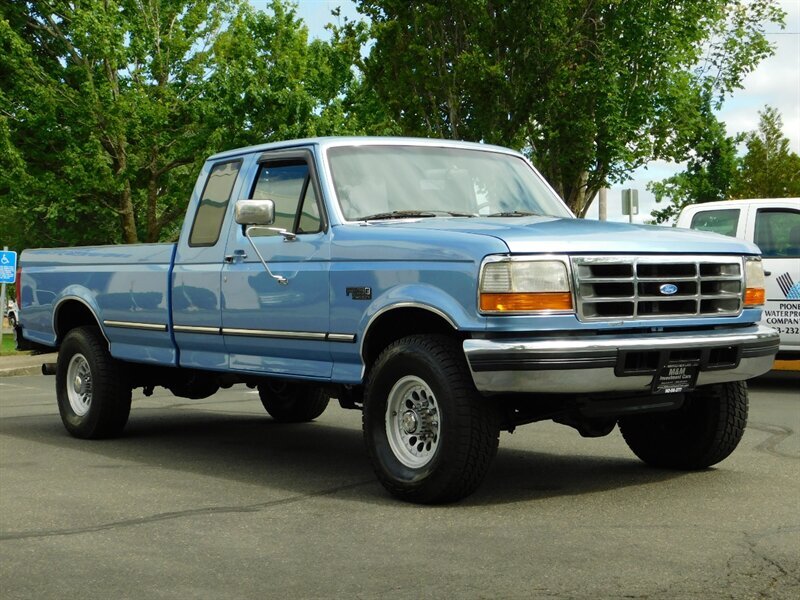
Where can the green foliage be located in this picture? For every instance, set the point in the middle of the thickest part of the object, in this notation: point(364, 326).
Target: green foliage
point(591, 90)
point(39, 127)
point(101, 114)
point(710, 168)
point(768, 169)
point(110, 107)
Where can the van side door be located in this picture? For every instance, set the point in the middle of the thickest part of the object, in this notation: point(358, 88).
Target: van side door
point(775, 229)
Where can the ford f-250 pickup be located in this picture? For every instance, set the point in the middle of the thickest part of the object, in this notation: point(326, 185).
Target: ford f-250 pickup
point(442, 288)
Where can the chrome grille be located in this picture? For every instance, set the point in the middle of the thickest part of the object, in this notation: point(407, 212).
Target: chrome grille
point(653, 287)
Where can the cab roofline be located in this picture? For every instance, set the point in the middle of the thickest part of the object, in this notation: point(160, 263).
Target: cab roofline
point(329, 142)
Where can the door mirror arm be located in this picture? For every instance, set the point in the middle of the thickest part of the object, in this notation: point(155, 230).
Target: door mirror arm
point(279, 278)
point(287, 235)
point(259, 215)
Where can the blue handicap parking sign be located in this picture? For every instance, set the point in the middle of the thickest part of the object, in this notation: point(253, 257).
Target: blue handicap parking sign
point(8, 266)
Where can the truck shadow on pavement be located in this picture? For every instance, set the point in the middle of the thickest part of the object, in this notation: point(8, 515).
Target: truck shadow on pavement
point(312, 459)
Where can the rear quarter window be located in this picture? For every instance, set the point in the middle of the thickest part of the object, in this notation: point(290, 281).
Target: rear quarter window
point(724, 221)
point(214, 203)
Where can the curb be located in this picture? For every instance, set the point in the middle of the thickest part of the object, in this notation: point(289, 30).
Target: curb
point(15, 371)
point(25, 365)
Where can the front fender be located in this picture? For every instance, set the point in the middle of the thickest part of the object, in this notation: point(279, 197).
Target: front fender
point(424, 296)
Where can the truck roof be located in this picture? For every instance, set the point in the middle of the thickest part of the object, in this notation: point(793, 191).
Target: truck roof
point(328, 142)
point(740, 203)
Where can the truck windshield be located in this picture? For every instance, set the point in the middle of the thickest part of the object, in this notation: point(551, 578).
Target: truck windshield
point(385, 182)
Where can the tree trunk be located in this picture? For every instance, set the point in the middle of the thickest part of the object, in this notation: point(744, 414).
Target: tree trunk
point(153, 229)
point(588, 198)
point(127, 217)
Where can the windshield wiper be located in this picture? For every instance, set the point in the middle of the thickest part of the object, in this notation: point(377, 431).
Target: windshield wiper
point(459, 214)
point(515, 213)
point(406, 214)
point(398, 214)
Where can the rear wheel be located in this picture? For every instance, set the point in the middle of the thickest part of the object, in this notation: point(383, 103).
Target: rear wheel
point(702, 433)
point(94, 399)
point(429, 434)
point(293, 402)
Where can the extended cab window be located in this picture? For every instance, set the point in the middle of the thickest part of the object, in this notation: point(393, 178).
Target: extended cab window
point(778, 232)
point(288, 184)
point(719, 221)
point(214, 203)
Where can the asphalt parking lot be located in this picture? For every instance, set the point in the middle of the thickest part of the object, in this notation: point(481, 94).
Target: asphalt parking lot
point(212, 499)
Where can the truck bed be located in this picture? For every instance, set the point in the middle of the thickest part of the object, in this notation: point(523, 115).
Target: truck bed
point(126, 287)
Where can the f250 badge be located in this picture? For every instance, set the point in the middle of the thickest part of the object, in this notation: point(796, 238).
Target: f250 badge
point(359, 293)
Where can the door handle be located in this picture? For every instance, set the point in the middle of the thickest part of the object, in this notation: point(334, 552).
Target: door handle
point(237, 255)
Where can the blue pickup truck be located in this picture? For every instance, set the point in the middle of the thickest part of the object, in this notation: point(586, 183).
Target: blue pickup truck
point(441, 288)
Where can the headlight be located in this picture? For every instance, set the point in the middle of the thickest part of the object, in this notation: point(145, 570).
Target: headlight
point(754, 293)
point(525, 286)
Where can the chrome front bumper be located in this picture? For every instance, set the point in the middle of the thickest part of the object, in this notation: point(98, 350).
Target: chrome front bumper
point(576, 365)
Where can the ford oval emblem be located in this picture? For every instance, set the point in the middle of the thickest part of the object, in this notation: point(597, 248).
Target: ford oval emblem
point(668, 289)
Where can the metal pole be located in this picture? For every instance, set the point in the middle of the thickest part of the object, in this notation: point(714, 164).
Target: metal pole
point(602, 208)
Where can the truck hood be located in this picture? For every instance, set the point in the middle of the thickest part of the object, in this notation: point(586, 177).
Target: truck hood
point(525, 235)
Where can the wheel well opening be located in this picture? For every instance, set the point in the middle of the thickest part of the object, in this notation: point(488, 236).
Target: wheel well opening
point(399, 323)
point(72, 314)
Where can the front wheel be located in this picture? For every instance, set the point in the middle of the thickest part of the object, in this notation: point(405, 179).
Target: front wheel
point(701, 433)
point(429, 434)
point(94, 399)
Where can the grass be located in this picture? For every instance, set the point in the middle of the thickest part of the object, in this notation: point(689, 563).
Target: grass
point(8, 347)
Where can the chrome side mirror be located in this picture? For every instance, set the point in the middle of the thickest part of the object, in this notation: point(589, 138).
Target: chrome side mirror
point(254, 212)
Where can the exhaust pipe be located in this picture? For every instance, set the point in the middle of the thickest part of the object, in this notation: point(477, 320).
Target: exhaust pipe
point(48, 368)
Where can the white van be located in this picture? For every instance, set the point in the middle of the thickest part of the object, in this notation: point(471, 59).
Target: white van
point(773, 224)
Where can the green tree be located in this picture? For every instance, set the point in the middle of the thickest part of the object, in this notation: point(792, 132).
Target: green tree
point(769, 169)
point(358, 109)
point(99, 95)
point(591, 89)
point(109, 107)
point(710, 167)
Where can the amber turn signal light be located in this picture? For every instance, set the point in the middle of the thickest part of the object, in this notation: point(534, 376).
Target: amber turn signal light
point(754, 297)
point(526, 301)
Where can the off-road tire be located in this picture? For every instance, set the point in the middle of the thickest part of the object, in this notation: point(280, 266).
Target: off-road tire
point(101, 410)
point(467, 427)
point(293, 402)
point(703, 432)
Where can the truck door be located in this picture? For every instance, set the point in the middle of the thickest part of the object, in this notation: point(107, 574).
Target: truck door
point(270, 326)
point(776, 231)
point(196, 319)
